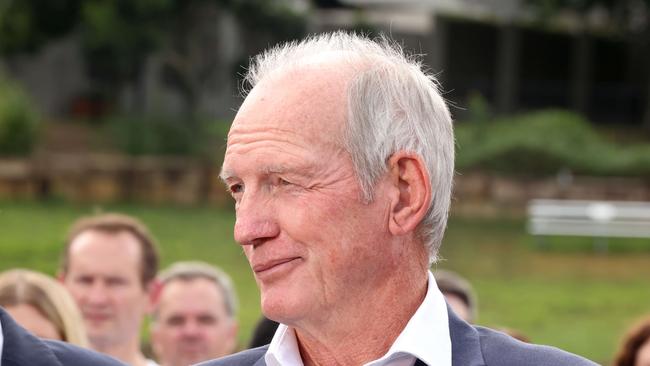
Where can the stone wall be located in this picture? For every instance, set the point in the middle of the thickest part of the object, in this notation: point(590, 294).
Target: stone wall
point(114, 178)
point(485, 194)
point(111, 178)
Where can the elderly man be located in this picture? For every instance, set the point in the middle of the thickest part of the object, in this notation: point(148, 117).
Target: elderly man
point(194, 318)
point(109, 265)
point(340, 161)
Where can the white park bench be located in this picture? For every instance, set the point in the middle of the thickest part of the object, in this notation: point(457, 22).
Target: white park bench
point(597, 219)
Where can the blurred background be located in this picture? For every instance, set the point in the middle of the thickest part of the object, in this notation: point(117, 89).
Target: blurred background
point(124, 105)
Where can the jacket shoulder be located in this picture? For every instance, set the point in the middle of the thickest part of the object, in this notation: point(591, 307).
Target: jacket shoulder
point(71, 355)
point(503, 350)
point(245, 358)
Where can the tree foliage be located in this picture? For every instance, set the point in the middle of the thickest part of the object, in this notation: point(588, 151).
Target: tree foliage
point(18, 120)
point(118, 35)
point(624, 15)
point(26, 25)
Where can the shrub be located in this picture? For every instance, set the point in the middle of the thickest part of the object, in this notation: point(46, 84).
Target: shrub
point(543, 143)
point(18, 121)
point(478, 108)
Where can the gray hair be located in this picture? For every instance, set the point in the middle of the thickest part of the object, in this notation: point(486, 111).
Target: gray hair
point(191, 270)
point(394, 104)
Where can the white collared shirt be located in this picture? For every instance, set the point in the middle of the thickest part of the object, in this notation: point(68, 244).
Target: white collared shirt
point(426, 337)
point(2, 342)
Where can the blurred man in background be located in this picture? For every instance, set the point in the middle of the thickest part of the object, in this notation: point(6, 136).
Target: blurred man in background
point(458, 293)
point(194, 317)
point(109, 264)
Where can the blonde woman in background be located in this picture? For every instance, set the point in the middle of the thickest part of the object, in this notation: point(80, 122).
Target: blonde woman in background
point(42, 306)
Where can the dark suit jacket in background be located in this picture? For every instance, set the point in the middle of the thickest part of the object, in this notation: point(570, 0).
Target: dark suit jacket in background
point(21, 348)
point(470, 345)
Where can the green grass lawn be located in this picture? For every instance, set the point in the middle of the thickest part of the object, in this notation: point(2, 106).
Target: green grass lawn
point(565, 295)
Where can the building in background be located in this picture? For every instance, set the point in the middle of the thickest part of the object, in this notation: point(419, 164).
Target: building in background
point(503, 51)
point(499, 50)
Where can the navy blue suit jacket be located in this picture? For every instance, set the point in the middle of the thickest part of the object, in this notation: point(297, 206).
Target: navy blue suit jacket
point(470, 345)
point(21, 348)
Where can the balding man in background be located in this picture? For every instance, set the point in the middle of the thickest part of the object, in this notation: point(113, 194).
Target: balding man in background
point(194, 318)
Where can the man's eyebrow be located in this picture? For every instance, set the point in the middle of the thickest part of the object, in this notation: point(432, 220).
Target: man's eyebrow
point(227, 174)
point(304, 170)
point(276, 169)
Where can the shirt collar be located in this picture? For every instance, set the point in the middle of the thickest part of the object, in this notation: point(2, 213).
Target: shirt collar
point(283, 350)
point(1, 342)
point(426, 337)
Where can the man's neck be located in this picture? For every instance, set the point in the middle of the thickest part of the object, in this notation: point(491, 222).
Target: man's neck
point(363, 333)
point(127, 352)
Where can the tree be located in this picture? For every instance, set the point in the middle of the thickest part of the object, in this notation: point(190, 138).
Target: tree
point(118, 36)
point(190, 56)
point(25, 25)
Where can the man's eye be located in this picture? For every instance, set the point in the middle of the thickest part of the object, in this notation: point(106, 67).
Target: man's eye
point(236, 188)
point(284, 182)
point(207, 320)
point(84, 280)
point(116, 282)
point(175, 321)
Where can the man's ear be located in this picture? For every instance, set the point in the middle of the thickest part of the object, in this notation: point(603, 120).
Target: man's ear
point(154, 337)
point(234, 329)
point(154, 288)
point(60, 276)
point(410, 179)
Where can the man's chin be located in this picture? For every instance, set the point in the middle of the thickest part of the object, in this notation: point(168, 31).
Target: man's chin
point(98, 331)
point(102, 340)
point(194, 359)
point(281, 311)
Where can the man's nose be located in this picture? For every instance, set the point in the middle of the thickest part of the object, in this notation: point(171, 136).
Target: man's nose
point(97, 294)
point(191, 329)
point(256, 221)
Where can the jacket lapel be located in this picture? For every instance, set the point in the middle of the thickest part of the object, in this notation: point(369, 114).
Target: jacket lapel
point(261, 361)
point(465, 343)
point(21, 348)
